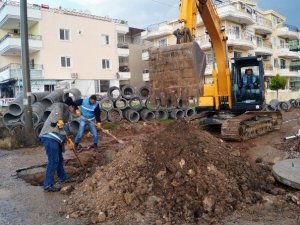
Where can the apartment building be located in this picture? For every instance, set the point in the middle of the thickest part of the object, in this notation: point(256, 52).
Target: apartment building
point(251, 31)
point(67, 48)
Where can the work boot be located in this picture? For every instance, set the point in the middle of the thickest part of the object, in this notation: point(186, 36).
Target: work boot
point(78, 147)
point(66, 180)
point(52, 189)
point(93, 147)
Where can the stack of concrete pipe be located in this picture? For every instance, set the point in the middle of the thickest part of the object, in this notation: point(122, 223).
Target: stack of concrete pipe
point(42, 104)
point(135, 105)
point(275, 105)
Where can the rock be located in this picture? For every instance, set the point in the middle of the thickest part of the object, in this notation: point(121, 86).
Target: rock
point(208, 203)
point(191, 173)
point(270, 179)
point(161, 174)
point(278, 191)
point(158, 222)
point(101, 217)
point(67, 189)
point(236, 153)
point(182, 163)
point(74, 215)
point(129, 197)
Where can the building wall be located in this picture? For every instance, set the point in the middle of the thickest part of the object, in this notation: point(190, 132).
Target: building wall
point(84, 48)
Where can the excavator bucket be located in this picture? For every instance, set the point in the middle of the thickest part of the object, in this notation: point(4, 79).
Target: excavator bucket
point(176, 73)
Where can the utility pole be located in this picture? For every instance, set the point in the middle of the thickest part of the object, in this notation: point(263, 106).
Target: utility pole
point(29, 134)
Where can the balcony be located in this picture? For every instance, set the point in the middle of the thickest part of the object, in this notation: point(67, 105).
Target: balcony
point(289, 32)
point(263, 26)
point(123, 61)
point(294, 46)
point(14, 71)
point(157, 31)
point(145, 54)
point(243, 41)
point(268, 68)
point(284, 52)
point(204, 42)
point(121, 26)
point(146, 75)
point(264, 49)
point(240, 13)
point(286, 72)
point(124, 73)
point(123, 49)
point(295, 65)
point(10, 44)
point(10, 15)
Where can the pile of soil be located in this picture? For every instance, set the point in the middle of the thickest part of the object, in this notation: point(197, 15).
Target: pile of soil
point(291, 148)
point(181, 175)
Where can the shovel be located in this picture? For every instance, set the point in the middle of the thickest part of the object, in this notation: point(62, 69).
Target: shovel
point(75, 153)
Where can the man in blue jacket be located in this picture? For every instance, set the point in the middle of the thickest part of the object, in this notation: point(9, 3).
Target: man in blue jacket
point(249, 84)
point(90, 115)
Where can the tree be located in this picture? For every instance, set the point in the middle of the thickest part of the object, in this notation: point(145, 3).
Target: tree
point(278, 82)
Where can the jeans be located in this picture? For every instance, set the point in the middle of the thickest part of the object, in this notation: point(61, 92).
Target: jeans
point(55, 161)
point(249, 93)
point(81, 129)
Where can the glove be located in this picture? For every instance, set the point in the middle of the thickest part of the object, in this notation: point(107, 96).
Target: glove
point(78, 113)
point(70, 144)
point(60, 124)
point(99, 126)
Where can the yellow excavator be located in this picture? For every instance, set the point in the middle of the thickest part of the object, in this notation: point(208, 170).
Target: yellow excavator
point(177, 75)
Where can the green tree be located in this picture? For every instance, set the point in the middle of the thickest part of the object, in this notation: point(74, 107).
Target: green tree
point(278, 82)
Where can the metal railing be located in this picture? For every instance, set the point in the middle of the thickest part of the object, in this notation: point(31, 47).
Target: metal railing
point(263, 21)
point(291, 27)
point(18, 66)
point(123, 45)
point(12, 35)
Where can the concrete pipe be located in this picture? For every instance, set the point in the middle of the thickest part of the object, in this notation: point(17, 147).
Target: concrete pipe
point(16, 107)
point(128, 91)
point(147, 115)
point(176, 114)
point(10, 119)
point(37, 130)
point(293, 103)
point(74, 93)
point(152, 105)
point(135, 103)
point(40, 95)
point(115, 115)
point(131, 115)
point(181, 104)
point(55, 96)
point(144, 92)
point(114, 93)
point(169, 104)
point(284, 106)
point(106, 104)
point(273, 105)
point(297, 102)
point(47, 112)
point(161, 114)
point(103, 116)
point(189, 112)
point(74, 126)
point(121, 104)
point(38, 110)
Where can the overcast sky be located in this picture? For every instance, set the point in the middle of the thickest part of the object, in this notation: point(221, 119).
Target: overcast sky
point(142, 13)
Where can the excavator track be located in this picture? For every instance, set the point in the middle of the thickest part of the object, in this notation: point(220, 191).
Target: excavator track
point(251, 125)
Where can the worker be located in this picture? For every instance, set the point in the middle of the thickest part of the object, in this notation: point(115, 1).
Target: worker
point(53, 138)
point(90, 115)
point(249, 84)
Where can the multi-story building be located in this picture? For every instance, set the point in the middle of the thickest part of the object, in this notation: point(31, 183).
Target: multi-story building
point(251, 31)
point(66, 48)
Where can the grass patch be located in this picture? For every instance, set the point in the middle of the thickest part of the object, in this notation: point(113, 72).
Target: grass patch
point(111, 126)
point(167, 121)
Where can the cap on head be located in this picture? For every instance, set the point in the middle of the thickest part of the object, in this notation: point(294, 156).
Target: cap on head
point(69, 101)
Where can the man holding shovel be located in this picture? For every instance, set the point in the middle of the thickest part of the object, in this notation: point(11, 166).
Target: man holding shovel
point(90, 111)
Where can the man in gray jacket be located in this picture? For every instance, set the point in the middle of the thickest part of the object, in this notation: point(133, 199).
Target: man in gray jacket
point(53, 137)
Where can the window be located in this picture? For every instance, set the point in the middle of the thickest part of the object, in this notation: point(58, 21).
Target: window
point(259, 41)
point(105, 40)
point(276, 64)
point(274, 42)
point(237, 54)
point(282, 43)
point(65, 61)
point(162, 42)
point(282, 64)
point(64, 34)
point(101, 86)
point(274, 21)
point(105, 64)
point(236, 31)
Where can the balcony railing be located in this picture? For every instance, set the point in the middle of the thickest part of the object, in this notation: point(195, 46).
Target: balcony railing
point(15, 71)
point(295, 65)
point(294, 46)
point(289, 32)
point(123, 45)
point(12, 35)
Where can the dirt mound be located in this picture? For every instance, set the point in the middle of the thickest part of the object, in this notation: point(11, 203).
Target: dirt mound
point(181, 175)
point(291, 148)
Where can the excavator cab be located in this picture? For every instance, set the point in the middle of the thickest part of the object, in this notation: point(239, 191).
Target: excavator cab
point(247, 77)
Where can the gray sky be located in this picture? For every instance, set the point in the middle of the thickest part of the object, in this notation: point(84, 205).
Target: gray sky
point(142, 13)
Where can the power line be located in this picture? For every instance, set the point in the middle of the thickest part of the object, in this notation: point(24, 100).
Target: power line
point(163, 3)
